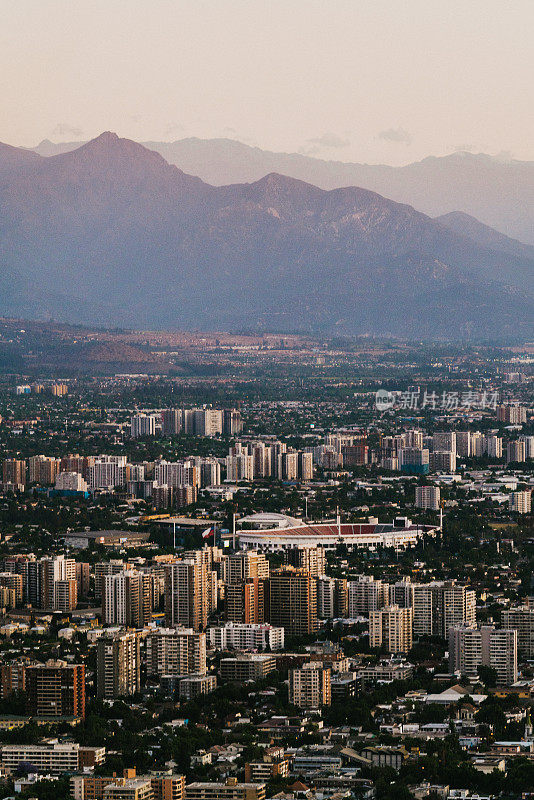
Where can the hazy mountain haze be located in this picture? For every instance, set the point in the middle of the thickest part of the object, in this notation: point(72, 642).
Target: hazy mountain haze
point(124, 238)
point(498, 192)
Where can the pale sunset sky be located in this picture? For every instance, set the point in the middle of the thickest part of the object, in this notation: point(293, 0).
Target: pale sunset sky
point(387, 81)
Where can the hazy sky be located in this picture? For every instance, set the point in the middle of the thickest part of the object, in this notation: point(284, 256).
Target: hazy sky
point(366, 80)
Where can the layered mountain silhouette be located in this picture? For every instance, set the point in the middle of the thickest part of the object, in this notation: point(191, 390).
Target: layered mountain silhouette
point(499, 192)
point(110, 233)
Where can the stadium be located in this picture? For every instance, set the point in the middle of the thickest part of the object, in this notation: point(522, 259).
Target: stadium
point(285, 533)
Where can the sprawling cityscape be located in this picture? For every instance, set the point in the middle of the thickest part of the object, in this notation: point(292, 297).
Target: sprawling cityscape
point(266, 400)
point(290, 568)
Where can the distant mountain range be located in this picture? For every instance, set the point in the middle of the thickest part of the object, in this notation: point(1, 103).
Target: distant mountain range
point(500, 193)
point(110, 233)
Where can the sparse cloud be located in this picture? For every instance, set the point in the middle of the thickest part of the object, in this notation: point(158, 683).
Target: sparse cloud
point(64, 129)
point(330, 140)
point(327, 141)
point(395, 135)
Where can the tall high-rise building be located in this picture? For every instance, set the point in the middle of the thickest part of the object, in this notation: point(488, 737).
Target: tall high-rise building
point(413, 461)
point(444, 441)
point(244, 564)
point(310, 685)
point(441, 605)
point(70, 482)
point(12, 678)
point(83, 574)
point(53, 569)
point(245, 601)
point(292, 601)
point(427, 497)
point(312, 559)
point(478, 444)
point(103, 568)
point(176, 651)
point(413, 438)
point(66, 595)
point(366, 594)
point(142, 425)
point(391, 627)
point(232, 422)
point(512, 414)
point(520, 502)
point(43, 469)
point(305, 466)
point(355, 454)
point(261, 456)
point(207, 421)
point(210, 472)
point(13, 582)
point(515, 451)
point(401, 593)
point(55, 689)
point(332, 597)
point(521, 619)
point(171, 421)
point(470, 648)
point(77, 463)
point(186, 594)
point(493, 446)
point(289, 466)
point(442, 461)
point(118, 665)
point(240, 467)
point(463, 444)
point(107, 472)
point(529, 446)
point(14, 471)
point(32, 594)
point(127, 599)
point(242, 636)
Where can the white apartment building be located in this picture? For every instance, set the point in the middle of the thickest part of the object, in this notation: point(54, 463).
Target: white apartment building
point(520, 502)
point(71, 482)
point(365, 595)
point(326, 597)
point(240, 467)
point(493, 446)
point(246, 636)
point(54, 757)
point(107, 472)
point(143, 425)
point(521, 619)
point(515, 451)
point(529, 445)
point(310, 685)
point(478, 444)
point(176, 651)
point(392, 628)
point(427, 497)
point(439, 606)
point(469, 648)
